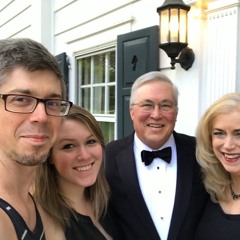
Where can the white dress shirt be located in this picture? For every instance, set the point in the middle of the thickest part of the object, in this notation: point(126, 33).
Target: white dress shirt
point(158, 185)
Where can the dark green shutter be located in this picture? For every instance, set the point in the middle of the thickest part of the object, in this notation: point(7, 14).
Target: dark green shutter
point(137, 53)
point(63, 63)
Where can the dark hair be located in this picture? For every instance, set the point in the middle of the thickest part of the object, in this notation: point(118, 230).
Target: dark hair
point(28, 54)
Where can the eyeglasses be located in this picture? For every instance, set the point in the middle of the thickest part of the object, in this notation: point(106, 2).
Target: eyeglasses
point(25, 104)
point(148, 107)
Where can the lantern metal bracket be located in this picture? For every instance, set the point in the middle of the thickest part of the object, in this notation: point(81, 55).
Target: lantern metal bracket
point(175, 49)
point(186, 59)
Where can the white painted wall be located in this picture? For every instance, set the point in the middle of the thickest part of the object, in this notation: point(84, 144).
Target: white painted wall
point(81, 26)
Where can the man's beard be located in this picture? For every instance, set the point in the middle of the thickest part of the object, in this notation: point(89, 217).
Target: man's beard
point(27, 160)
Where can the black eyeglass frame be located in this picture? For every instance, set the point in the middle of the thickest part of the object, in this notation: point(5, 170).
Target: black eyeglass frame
point(44, 101)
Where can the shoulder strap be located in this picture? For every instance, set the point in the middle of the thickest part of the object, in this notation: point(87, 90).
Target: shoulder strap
point(21, 228)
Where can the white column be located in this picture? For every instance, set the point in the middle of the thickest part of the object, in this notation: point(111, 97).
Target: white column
point(220, 53)
point(42, 22)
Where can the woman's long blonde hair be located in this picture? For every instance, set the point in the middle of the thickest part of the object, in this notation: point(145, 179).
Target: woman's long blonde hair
point(216, 178)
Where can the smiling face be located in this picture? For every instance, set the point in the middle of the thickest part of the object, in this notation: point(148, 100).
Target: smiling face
point(226, 141)
point(77, 156)
point(27, 138)
point(154, 128)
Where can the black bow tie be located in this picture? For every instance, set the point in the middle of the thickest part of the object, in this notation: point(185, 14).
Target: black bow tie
point(165, 154)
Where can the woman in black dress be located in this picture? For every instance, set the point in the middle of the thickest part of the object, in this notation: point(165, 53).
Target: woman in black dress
point(218, 153)
point(71, 185)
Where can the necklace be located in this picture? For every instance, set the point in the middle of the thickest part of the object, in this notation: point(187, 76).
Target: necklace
point(234, 195)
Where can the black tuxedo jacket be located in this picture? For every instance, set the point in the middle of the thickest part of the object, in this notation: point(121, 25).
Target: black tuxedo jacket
point(127, 205)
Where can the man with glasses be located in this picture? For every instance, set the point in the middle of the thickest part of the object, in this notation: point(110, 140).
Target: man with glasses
point(32, 102)
point(155, 181)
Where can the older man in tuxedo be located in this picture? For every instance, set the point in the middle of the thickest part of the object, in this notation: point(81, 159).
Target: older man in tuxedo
point(156, 186)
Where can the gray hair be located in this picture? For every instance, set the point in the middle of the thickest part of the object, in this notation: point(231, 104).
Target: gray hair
point(152, 76)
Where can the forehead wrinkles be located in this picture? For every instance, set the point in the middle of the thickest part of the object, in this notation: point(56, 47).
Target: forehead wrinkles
point(159, 91)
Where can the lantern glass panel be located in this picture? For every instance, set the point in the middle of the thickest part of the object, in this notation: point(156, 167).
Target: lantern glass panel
point(174, 25)
point(183, 26)
point(164, 26)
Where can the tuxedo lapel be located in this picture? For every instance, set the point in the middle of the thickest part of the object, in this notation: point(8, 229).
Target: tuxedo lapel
point(127, 170)
point(184, 186)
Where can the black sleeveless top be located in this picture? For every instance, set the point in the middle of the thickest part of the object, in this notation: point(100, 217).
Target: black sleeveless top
point(215, 224)
point(82, 227)
point(21, 228)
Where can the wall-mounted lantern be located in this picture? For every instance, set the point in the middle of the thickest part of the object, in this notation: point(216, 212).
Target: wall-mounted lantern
point(173, 30)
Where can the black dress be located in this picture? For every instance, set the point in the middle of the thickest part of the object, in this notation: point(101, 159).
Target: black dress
point(82, 228)
point(216, 225)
